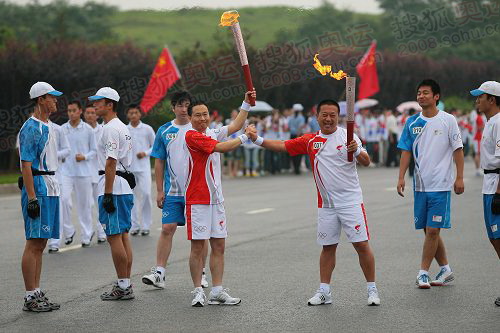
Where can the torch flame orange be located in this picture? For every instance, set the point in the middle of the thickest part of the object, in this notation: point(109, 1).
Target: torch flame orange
point(229, 18)
point(327, 69)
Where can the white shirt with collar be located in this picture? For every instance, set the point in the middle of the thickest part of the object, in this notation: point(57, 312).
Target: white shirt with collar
point(143, 138)
point(82, 141)
point(490, 153)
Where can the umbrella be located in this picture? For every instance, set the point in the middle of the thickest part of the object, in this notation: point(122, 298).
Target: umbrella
point(261, 106)
point(408, 105)
point(366, 103)
point(343, 108)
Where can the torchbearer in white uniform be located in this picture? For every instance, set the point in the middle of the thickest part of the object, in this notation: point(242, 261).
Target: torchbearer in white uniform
point(143, 138)
point(115, 190)
point(91, 118)
point(63, 151)
point(77, 175)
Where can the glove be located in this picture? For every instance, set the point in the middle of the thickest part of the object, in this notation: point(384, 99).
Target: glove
point(107, 203)
point(495, 204)
point(33, 208)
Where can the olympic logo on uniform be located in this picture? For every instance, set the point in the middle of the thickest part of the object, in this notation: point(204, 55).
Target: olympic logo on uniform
point(165, 214)
point(322, 235)
point(170, 136)
point(111, 146)
point(457, 137)
point(200, 228)
point(128, 137)
point(45, 228)
point(415, 219)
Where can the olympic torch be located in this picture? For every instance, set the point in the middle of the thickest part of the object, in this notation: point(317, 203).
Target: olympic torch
point(350, 89)
point(230, 19)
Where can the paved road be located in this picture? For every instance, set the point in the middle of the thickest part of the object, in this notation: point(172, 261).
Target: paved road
point(272, 264)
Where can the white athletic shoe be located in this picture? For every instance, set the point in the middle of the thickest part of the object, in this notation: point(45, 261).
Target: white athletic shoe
point(204, 282)
point(373, 298)
point(199, 297)
point(320, 298)
point(154, 279)
point(222, 298)
point(423, 281)
point(443, 278)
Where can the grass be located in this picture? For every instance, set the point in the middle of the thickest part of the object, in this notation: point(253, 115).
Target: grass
point(9, 178)
point(185, 28)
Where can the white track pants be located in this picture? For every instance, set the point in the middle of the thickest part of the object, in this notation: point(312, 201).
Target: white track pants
point(82, 188)
point(142, 201)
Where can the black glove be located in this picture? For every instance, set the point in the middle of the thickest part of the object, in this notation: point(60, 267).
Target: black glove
point(33, 208)
point(495, 204)
point(107, 203)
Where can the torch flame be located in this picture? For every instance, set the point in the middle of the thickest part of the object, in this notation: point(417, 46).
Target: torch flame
point(327, 69)
point(229, 18)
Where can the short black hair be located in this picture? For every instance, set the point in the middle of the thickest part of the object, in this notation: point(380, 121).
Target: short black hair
point(75, 102)
point(134, 106)
point(497, 98)
point(180, 97)
point(115, 104)
point(196, 103)
point(327, 102)
point(435, 88)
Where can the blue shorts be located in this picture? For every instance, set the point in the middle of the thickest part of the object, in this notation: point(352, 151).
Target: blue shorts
point(120, 220)
point(47, 224)
point(491, 221)
point(432, 209)
point(173, 210)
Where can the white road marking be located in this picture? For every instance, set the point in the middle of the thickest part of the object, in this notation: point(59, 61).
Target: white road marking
point(259, 211)
point(69, 248)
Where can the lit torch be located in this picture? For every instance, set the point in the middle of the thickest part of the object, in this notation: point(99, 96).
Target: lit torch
point(230, 19)
point(350, 89)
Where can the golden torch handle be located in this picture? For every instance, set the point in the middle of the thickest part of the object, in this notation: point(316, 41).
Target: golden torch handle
point(350, 99)
point(240, 46)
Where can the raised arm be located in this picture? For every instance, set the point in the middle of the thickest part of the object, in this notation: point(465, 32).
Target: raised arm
point(238, 123)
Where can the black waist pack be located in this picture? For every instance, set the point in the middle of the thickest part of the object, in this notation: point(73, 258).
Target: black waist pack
point(34, 172)
point(128, 176)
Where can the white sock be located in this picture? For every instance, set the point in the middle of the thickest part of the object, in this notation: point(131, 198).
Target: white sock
point(38, 290)
point(371, 285)
point(422, 272)
point(447, 267)
point(216, 290)
point(199, 289)
point(161, 270)
point(203, 270)
point(325, 287)
point(30, 294)
point(124, 283)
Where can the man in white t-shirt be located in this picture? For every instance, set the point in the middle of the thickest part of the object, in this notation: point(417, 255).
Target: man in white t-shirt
point(340, 200)
point(90, 118)
point(115, 190)
point(143, 138)
point(434, 139)
point(488, 103)
point(205, 214)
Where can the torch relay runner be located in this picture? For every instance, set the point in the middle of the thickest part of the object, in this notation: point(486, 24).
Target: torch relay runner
point(488, 102)
point(114, 153)
point(205, 214)
point(434, 139)
point(340, 200)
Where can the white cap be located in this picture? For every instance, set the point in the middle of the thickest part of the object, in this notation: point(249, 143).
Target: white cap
point(488, 87)
point(106, 92)
point(297, 107)
point(43, 88)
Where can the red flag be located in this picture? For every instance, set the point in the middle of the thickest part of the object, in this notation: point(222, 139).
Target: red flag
point(164, 76)
point(367, 70)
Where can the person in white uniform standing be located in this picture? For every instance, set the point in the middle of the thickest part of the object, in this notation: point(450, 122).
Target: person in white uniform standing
point(143, 138)
point(340, 199)
point(77, 174)
point(91, 118)
point(115, 190)
point(63, 151)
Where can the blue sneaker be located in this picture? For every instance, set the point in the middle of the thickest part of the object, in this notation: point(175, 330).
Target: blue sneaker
point(423, 281)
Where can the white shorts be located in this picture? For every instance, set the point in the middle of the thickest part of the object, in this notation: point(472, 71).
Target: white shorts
point(352, 219)
point(206, 221)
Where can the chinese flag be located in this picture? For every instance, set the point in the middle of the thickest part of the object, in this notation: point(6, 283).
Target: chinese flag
point(164, 76)
point(367, 70)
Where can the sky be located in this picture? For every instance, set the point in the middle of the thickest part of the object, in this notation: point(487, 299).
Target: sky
point(364, 6)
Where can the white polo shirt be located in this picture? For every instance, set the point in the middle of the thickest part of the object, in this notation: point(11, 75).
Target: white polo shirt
point(143, 138)
point(490, 153)
point(81, 141)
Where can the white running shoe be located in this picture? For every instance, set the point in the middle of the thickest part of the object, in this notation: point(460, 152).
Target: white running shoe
point(199, 297)
point(443, 278)
point(423, 281)
point(204, 282)
point(222, 298)
point(373, 298)
point(154, 279)
point(320, 298)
